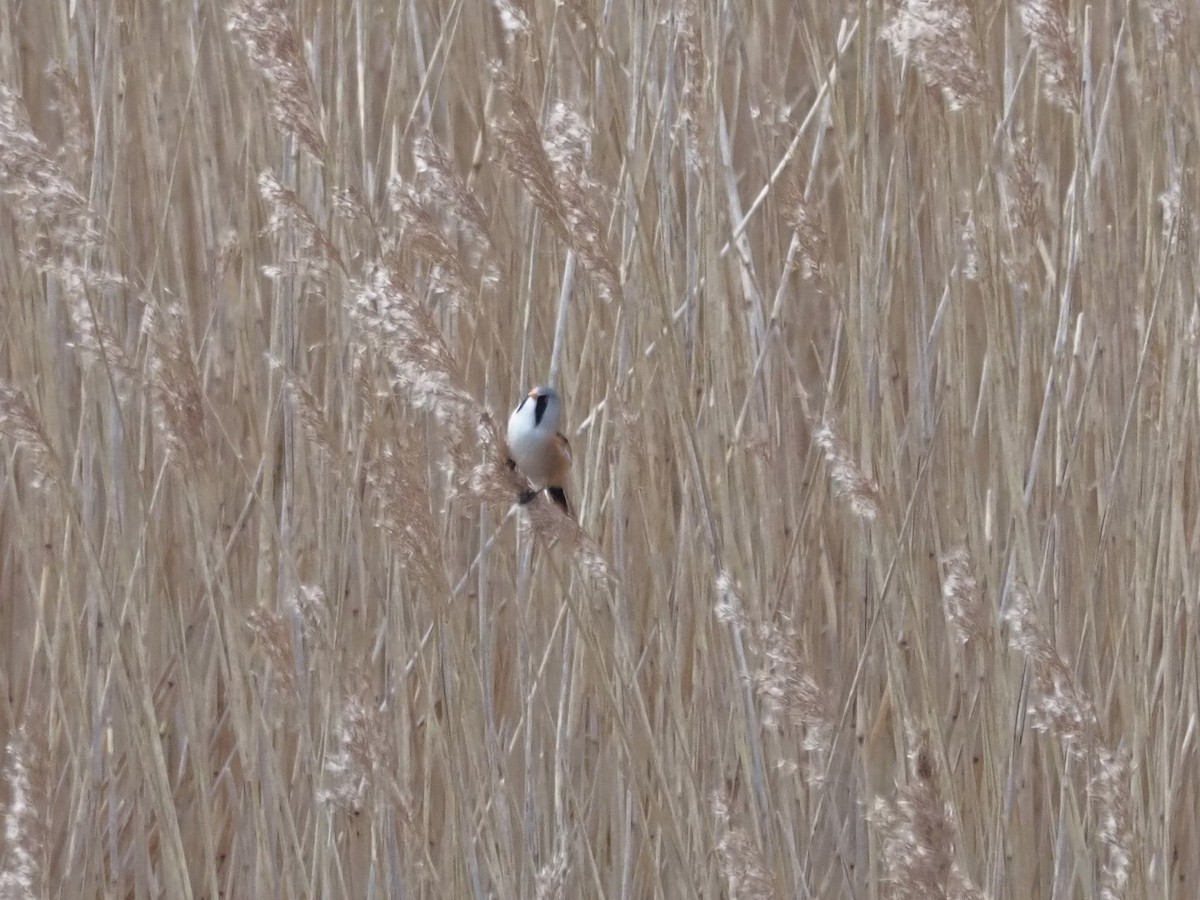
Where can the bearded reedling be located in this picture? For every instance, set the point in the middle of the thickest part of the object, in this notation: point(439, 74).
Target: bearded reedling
point(537, 448)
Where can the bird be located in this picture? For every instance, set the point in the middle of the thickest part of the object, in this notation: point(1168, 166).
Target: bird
point(537, 448)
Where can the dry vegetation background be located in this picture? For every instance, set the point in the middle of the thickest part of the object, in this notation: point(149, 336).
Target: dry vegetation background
point(877, 326)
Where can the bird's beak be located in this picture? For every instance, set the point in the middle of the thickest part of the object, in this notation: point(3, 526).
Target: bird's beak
point(533, 394)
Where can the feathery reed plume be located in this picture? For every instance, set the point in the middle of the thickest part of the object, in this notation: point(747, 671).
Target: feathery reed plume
point(94, 340)
point(552, 525)
point(782, 680)
point(26, 821)
point(516, 18)
point(806, 222)
point(742, 865)
point(349, 204)
point(964, 605)
point(551, 881)
point(446, 190)
point(1169, 202)
point(364, 761)
point(1064, 710)
point(553, 168)
point(1168, 19)
point(695, 77)
point(525, 155)
point(970, 262)
point(1109, 789)
point(317, 431)
point(729, 609)
point(309, 612)
point(228, 253)
point(1051, 32)
point(393, 467)
point(1191, 334)
point(1025, 203)
point(860, 491)
point(40, 192)
point(272, 635)
point(77, 132)
point(314, 250)
point(24, 428)
point(422, 235)
point(176, 392)
point(1024, 207)
point(1179, 219)
point(584, 18)
point(789, 691)
point(274, 46)
point(961, 887)
point(917, 830)
point(939, 37)
point(392, 321)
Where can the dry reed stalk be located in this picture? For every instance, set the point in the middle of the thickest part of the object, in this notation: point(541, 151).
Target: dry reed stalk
point(553, 744)
point(318, 430)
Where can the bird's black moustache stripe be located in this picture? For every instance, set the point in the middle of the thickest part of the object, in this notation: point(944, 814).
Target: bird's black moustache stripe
point(539, 409)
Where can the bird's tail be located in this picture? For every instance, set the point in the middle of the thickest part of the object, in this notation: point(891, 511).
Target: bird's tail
point(559, 496)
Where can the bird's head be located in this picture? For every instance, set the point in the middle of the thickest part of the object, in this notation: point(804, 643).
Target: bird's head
point(546, 406)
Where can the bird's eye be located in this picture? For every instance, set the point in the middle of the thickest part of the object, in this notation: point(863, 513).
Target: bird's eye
point(539, 408)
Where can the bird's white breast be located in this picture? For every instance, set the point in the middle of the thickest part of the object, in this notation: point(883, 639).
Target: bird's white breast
point(529, 444)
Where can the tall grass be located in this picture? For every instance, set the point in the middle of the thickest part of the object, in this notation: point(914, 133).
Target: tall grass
point(878, 329)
